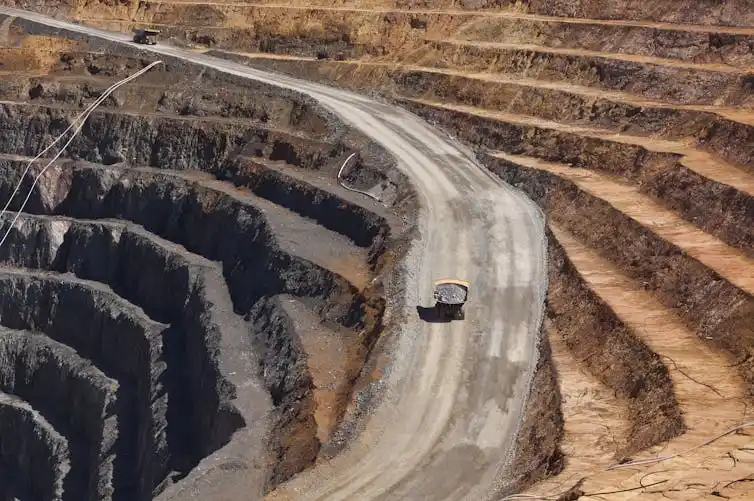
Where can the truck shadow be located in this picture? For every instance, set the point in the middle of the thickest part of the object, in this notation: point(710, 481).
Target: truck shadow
point(430, 315)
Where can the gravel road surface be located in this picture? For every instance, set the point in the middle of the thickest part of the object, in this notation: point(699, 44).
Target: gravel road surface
point(455, 391)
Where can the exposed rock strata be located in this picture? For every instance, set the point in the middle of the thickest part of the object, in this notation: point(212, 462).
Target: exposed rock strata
point(121, 341)
point(719, 209)
point(74, 396)
point(294, 439)
point(34, 457)
point(200, 415)
point(106, 251)
point(707, 302)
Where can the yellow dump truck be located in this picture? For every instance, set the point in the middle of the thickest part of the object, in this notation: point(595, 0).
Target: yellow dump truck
point(450, 295)
point(145, 36)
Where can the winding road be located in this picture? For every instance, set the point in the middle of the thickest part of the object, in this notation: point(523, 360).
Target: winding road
point(455, 392)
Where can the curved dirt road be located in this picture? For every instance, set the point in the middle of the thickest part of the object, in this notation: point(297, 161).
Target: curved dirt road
point(455, 392)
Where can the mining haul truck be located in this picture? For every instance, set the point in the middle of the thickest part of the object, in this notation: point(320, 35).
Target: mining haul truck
point(450, 296)
point(146, 37)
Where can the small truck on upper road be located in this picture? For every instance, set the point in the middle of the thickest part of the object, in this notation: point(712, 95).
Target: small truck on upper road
point(146, 36)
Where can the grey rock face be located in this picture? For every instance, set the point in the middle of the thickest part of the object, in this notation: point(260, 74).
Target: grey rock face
point(34, 457)
point(199, 374)
point(110, 138)
point(120, 340)
point(197, 410)
point(286, 376)
point(202, 332)
point(364, 228)
point(206, 222)
point(179, 364)
point(77, 399)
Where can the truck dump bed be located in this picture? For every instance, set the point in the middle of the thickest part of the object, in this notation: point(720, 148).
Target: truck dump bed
point(451, 291)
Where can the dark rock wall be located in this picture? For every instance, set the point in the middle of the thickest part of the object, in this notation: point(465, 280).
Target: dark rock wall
point(293, 442)
point(110, 137)
point(201, 398)
point(77, 399)
point(33, 468)
point(122, 342)
point(169, 288)
point(113, 138)
point(213, 225)
point(365, 228)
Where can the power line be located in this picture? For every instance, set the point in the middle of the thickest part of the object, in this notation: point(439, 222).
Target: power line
point(79, 122)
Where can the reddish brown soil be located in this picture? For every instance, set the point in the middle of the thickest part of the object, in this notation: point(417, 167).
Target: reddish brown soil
point(613, 354)
point(711, 305)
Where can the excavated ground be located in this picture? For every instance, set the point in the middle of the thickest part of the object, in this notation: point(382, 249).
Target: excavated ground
point(630, 123)
point(189, 298)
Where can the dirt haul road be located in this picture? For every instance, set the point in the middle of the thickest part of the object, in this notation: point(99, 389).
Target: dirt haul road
point(454, 392)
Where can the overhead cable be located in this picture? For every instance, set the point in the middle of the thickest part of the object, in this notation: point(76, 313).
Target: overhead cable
point(79, 122)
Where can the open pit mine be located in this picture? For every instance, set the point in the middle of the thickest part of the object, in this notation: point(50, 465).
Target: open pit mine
point(217, 279)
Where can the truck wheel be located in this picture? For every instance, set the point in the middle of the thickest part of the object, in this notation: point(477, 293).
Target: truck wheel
point(441, 313)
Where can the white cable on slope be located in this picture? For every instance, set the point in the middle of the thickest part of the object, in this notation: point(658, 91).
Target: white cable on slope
point(83, 117)
point(348, 187)
point(80, 120)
